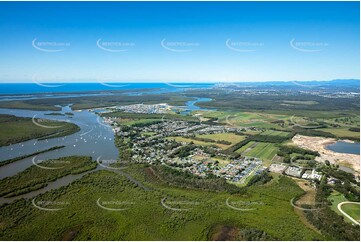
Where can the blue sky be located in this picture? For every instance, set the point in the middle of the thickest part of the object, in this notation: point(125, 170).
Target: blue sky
point(178, 41)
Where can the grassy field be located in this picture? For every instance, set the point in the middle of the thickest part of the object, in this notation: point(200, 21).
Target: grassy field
point(245, 147)
point(341, 132)
point(246, 119)
point(264, 151)
point(353, 210)
point(275, 133)
point(335, 198)
point(230, 137)
point(144, 217)
point(15, 129)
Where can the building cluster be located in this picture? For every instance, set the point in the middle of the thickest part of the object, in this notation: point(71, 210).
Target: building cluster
point(239, 169)
point(160, 108)
point(295, 171)
point(151, 144)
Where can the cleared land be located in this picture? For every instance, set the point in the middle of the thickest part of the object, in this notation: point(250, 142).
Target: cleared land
point(319, 144)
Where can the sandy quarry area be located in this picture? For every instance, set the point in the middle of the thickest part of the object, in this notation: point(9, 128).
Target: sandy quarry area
point(319, 144)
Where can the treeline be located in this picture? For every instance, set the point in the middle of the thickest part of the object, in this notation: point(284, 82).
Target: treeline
point(313, 132)
point(5, 162)
point(260, 179)
point(183, 151)
point(254, 235)
point(258, 138)
point(146, 123)
point(125, 151)
point(354, 129)
point(207, 140)
point(329, 222)
point(187, 180)
point(344, 183)
point(285, 151)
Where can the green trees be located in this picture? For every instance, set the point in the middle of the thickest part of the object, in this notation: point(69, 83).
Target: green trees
point(260, 179)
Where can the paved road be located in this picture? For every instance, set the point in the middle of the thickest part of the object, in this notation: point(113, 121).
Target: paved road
point(348, 216)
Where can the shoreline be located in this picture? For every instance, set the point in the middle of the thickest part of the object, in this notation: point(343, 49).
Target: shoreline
point(320, 144)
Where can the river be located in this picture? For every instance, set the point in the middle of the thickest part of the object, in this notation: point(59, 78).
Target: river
point(94, 139)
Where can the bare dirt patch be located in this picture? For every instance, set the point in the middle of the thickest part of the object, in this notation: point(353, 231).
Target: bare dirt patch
point(224, 233)
point(319, 144)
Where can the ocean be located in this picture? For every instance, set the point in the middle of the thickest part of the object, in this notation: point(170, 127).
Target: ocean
point(35, 88)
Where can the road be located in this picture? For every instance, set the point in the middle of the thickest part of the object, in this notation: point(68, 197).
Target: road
point(348, 216)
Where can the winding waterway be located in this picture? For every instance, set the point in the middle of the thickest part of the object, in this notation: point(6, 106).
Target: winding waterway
point(94, 139)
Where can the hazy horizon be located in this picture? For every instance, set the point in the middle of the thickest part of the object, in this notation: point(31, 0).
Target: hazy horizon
point(179, 42)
